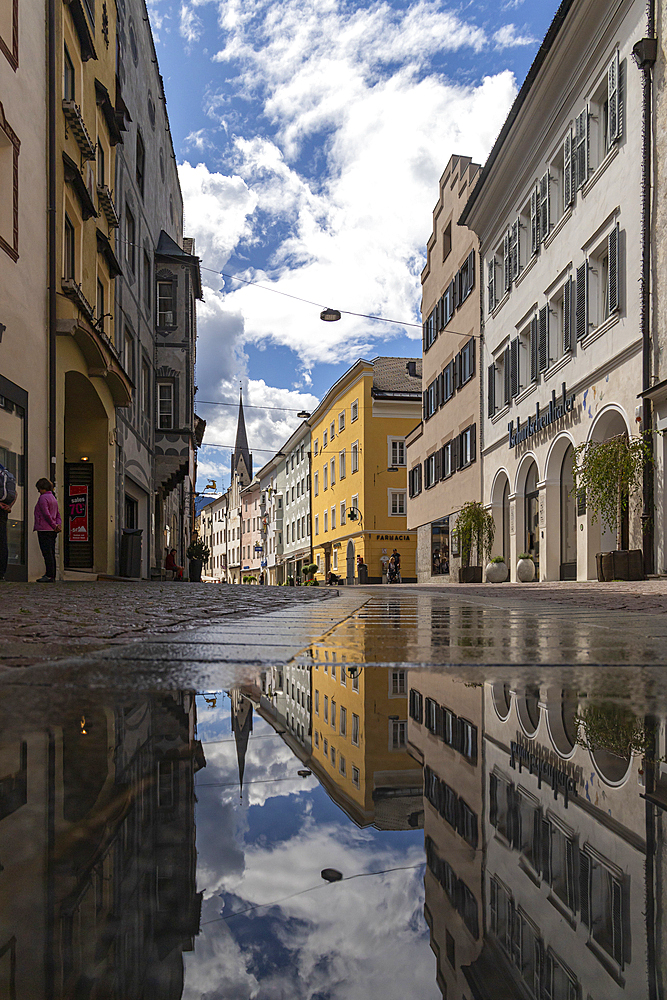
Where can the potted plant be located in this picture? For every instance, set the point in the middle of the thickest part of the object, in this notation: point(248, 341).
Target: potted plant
point(198, 553)
point(496, 570)
point(476, 529)
point(309, 571)
point(525, 568)
point(610, 475)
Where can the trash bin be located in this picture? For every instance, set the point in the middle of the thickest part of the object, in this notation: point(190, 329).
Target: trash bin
point(130, 552)
point(362, 573)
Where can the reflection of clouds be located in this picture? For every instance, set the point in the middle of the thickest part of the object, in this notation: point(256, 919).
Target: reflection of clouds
point(332, 941)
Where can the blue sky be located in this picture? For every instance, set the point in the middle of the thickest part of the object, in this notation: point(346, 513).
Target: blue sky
point(310, 139)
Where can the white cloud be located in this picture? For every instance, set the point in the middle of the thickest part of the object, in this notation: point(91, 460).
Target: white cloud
point(191, 25)
point(509, 37)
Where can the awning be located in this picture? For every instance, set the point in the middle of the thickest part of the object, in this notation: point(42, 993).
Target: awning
point(82, 28)
point(111, 116)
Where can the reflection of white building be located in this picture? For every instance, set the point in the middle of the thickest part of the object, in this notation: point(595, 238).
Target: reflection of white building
point(557, 209)
point(565, 854)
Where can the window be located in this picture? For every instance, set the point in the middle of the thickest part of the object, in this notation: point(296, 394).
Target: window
point(333, 471)
point(333, 518)
point(397, 503)
point(355, 682)
point(316, 448)
point(429, 472)
point(100, 305)
point(325, 748)
point(324, 439)
point(130, 238)
point(316, 483)
point(165, 303)
point(603, 904)
point(341, 421)
point(333, 756)
point(416, 706)
point(467, 446)
point(398, 682)
point(332, 430)
point(146, 389)
point(100, 162)
point(429, 331)
point(354, 410)
point(354, 457)
point(128, 353)
point(466, 278)
point(140, 162)
point(343, 715)
point(398, 735)
point(69, 257)
point(165, 405)
point(468, 740)
point(342, 765)
point(355, 727)
point(466, 366)
point(415, 480)
point(355, 776)
point(333, 704)
point(396, 454)
point(447, 241)
point(341, 465)
point(147, 282)
point(430, 404)
point(317, 524)
point(69, 84)
point(342, 513)
point(325, 473)
point(317, 702)
point(326, 520)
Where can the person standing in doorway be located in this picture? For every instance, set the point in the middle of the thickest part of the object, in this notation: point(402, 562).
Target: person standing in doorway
point(396, 556)
point(48, 525)
point(7, 501)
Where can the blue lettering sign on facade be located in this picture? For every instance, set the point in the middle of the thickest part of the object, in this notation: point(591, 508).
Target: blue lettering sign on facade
point(543, 418)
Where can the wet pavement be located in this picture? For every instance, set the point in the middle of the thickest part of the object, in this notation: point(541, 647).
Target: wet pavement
point(487, 776)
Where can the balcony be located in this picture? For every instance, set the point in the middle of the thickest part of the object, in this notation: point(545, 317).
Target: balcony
point(105, 201)
point(79, 131)
point(101, 357)
point(72, 289)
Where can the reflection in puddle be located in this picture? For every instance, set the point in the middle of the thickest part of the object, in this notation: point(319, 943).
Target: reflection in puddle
point(499, 832)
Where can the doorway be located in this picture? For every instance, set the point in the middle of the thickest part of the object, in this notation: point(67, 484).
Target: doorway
point(568, 519)
point(79, 507)
point(506, 523)
point(350, 563)
point(532, 513)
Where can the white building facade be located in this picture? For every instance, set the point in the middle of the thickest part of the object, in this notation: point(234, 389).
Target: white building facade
point(557, 209)
point(271, 508)
point(297, 545)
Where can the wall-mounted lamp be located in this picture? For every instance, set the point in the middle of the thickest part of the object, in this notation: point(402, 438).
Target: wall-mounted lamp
point(645, 52)
point(84, 458)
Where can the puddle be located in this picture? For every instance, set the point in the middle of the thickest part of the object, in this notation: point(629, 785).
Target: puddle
point(497, 829)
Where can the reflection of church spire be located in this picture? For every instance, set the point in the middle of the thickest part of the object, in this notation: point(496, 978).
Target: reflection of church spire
point(242, 728)
point(242, 459)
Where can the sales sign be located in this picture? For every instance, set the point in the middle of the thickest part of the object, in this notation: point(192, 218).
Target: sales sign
point(78, 513)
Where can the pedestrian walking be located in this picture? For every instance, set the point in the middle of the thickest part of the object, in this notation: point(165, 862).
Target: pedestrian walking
point(396, 556)
point(7, 501)
point(48, 526)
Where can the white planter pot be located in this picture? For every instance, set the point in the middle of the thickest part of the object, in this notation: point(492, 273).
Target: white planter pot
point(525, 571)
point(496, 572)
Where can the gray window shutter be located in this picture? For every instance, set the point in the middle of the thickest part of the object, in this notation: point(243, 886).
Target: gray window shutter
point(545, 207)
point(568, 185)
point(581, 313)
point(534, 223)
point(455, 454)
point(567, 317)
point(438, 465)
point(473, 442)
point(506, 373)
point(533, 350)
point(472, 356)
point(581, 148)
point(514, 367)
point(423, 336)
point(613, 99)
point(425, 403)
point(491, 389)
point(612, 247)
point(544, 339)
point(452, 299)
point(441, 388)
point(519, 264)
point(471, 270)
point(514, 249)
point(507, 262)
point(491, 286)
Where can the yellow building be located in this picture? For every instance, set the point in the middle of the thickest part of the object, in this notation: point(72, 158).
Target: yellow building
point(358, 461)
point(90, 374)
point(359, 738)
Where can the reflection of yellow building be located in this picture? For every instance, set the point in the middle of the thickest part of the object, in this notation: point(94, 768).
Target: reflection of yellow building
point(359, 734)
point(358, 460)
point(91, 374)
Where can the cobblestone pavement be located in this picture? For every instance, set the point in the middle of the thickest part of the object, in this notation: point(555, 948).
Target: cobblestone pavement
point(51, 621)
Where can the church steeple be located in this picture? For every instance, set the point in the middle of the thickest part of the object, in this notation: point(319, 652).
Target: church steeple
point(242, 728)
point(241, 458)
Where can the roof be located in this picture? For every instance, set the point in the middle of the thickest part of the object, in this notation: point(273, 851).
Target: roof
point(167, 247)
point(538, 61)
point(391, 375)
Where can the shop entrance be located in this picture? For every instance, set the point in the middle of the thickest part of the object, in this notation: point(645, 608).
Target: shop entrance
point(568, 519)
point(79, 477)
point(532, 514)
point(13, 407)
point(440, 547)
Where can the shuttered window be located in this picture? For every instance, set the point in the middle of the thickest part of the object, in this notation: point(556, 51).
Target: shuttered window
point(581, 307)
point(543, 339)
point(491, 389)
point(506, 376)
point(514, 250)
point(545, 207)
point(580, 148)
point(507, 269)
point(568, 179)
point(534, 369)
point(567, 316)
point(466, 364)
point(534, 221)
point(614, 100)
point(514, 368)
point(612, 249)
point(491, 283)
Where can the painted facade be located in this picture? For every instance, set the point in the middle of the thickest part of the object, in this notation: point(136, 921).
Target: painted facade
point(444, 470)
point(558, 214)
point(295, 471)
point(358, 436)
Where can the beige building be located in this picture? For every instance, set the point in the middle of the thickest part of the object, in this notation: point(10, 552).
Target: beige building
point(442, 451)
point(24, 387)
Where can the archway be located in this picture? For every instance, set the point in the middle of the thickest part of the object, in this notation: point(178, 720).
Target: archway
point(532, 516)
point(568, 518)
point(350, 563)
point(610, 423)
point(500, 508)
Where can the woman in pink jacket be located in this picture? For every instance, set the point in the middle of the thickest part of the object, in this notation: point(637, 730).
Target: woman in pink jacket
point(47, 526)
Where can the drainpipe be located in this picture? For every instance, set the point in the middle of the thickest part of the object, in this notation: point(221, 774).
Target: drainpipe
point(644, 53)
point(51, 225)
